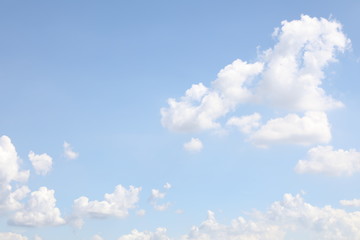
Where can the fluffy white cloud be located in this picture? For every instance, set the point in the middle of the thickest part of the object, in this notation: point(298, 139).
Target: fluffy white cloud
point(201, 107)
point(294, 67)
point(159, 234)
point(42, 163)
point(12, 236)
point(40, 210)
point(10, 172)
point(311, 129)
point(194, 145)
point(324, 159)
point(115, 204)
point(167, 186)
point(245, 124)
point(68, 152)
point(290, 77)
point(9, 163)
point(351, 203)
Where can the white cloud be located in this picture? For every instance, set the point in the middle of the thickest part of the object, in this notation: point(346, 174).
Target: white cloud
point(42, 163)
point(167, 186)
point(201, 107)
point(290, 218)
point(294, 67)
point(351, 203)
point(245, 124)
point(324, 159)
point(9, 163)
point(10, 172)
point(311, 129)
point(37, 237)
point(115, 204)
point(159, 234)
point(291, 77)
point(12, 236)
point(194, 145)
point(156, 195)
point(97, 237)
point(68, 151)
point(40, 210)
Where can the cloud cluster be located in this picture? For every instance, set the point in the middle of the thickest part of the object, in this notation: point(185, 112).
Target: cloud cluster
point(115, 204)
point(324, 159)
point(290, 218)
point(287, 76)
point(156, 196)
point(40, 210)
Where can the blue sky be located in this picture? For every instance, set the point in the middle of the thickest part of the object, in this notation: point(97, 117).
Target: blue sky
point(86, 114)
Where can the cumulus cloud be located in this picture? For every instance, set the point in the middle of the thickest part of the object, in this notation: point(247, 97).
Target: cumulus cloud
point(245, 124)
point(201, 107)
point(115, 204)
point(312, 128)
point(159, 234)
point(288, 76)
point(68, 152)
point(40, 210)
point(167, 186)
point(324, 159)
point(194, 145)
point(294, 67)
point(10, 172)
point(12, 236)
point(42, 163)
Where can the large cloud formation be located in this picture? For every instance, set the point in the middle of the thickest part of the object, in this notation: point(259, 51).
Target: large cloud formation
point(287, 76)
point(290, 218)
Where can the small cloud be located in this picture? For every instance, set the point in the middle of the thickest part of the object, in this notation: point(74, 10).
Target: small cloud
point(68, 152)
point(42, 163)
point(194, 145)
point(167, 185)
point(326, 160)
point(156, 195)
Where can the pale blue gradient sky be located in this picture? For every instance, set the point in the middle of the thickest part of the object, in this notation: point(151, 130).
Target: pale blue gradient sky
point(96, 73)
